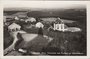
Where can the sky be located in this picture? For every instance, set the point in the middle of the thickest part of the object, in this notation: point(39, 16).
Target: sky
point(41, 4)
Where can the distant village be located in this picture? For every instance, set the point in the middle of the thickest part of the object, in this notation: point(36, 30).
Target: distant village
point(55, 23)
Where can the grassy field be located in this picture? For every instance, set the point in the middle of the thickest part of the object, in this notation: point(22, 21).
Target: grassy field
point(64, 41)
point(7, 38)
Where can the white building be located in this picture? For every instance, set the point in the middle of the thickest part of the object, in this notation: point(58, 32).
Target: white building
point(59, 25)
point(31, 19)
point(39, 24)
point(16, 18)
point(14, 27)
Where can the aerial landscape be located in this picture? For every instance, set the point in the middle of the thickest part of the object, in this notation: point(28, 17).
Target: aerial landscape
point(45, 32)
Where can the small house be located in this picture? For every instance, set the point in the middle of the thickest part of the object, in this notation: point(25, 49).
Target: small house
point(14, 27)
point(39, 24)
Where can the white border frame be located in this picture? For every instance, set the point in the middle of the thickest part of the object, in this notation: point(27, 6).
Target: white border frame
point(45, 57)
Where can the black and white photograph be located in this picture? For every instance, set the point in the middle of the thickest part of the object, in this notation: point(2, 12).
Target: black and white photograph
point(45, 29)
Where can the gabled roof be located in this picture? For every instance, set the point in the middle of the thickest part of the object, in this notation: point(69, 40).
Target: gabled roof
point(14, 25)
point(39, 24)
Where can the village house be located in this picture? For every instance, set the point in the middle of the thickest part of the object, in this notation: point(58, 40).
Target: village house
point(39, 24)
point(14, 27)
point(30, 19)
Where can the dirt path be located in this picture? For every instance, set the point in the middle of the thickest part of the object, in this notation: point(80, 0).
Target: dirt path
point(11, 47)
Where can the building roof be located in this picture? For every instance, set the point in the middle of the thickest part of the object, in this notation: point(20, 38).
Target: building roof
point(13, 26)
point(31, 19)
point(39, 24)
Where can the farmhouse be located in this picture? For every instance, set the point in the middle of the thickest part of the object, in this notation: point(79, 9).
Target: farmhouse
point(39, 24)
point(14, 27)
